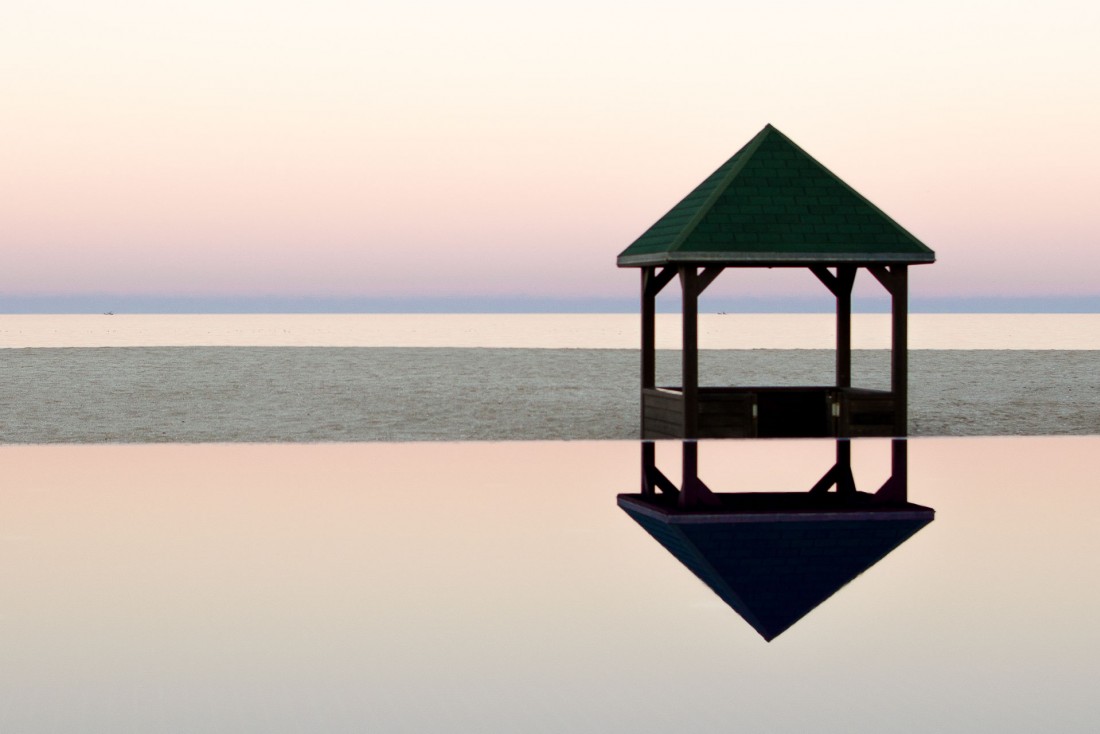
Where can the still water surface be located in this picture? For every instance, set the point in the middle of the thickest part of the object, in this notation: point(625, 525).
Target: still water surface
point(498, 587)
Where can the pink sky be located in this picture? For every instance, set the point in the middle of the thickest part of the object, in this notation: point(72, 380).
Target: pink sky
point(257, 148)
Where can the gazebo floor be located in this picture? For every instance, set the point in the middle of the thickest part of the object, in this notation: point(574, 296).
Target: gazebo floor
point(770, 412)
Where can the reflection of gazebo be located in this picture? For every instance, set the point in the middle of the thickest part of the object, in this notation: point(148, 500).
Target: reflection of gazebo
point(775, 556)
point(772, 205)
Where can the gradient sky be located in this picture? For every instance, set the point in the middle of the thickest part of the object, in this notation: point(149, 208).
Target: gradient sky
point(344, 149)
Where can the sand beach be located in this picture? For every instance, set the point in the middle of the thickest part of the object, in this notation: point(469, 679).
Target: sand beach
point(320, 394)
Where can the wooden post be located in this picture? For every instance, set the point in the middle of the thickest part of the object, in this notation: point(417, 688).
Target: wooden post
point(649, 338)
point(689, 353)
point(846, 276)
point(896, 280)
point(652, 283)
point(840, 285)
point(649, 328)
point(899, 348)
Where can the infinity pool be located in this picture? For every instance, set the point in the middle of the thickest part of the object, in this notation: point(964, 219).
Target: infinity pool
point(499, 587)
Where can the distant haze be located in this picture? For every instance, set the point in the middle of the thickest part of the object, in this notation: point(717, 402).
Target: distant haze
point(244, 155)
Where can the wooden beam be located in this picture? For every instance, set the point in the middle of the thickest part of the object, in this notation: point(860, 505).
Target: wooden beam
point(659, 480)
point(652, 477)
point(658, 281)
point(884, 276)
point(840, 285)
point(828, 479)
point(825, 277)
point(707, 277)
point(840, 475)
point(689, 350)
point(846, 277)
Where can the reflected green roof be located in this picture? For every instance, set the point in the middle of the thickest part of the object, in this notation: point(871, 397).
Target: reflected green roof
point(774, 568)
point(772, 203)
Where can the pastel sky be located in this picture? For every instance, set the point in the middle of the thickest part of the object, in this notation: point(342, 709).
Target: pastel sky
point(216, 148)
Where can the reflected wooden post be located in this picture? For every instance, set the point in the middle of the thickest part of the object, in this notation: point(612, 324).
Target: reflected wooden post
point(896, 488)
point(845, 482)
point(690, 350)
point(840, 474)
point(694, 492)
point(899, 467)
point(649, 463)
point(690, 470)
point(652, 478)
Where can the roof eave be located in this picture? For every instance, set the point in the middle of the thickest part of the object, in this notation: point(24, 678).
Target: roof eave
point(904, 511)
point(767, 259)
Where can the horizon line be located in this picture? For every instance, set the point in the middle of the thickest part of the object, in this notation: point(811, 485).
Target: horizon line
point(318, 306)
point(137, 304)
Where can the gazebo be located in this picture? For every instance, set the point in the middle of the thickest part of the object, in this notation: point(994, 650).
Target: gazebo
point(773, 206)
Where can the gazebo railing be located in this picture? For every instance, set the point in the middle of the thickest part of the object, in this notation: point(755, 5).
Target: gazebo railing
point(770, 412)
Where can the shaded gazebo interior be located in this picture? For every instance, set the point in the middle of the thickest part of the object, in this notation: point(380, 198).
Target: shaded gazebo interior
point(773, 206)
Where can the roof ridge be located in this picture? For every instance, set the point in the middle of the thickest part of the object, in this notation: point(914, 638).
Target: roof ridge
point(725, 590)
point(858, 195)
point(744, 154)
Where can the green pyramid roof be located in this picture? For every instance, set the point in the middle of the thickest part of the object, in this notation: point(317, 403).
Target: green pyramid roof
point(771, 203)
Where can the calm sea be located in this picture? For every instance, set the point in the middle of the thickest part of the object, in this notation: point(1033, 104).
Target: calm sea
point(544, 331)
